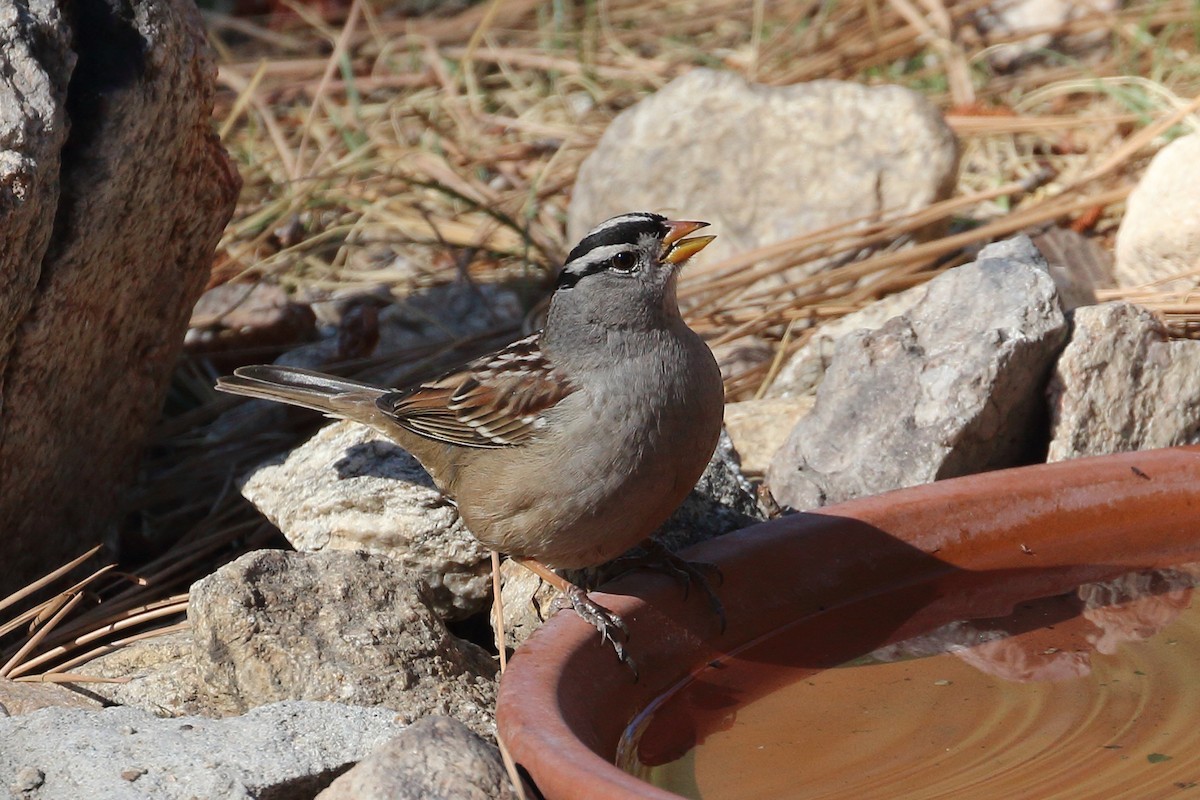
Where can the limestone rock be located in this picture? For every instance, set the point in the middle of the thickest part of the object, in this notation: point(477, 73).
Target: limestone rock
point(528, 602)
point(758, 428)
point(803, 372)
point(1122, 384)
point(1077, 264)
point(952, 387)
point(37, 60)
point(435, 758)
point(285, 751)
point(339, 626)
point(20, 697)
point(351, 488)
point(113, 192)
point(766, 163)
point(157, 675)
point(1160, 232)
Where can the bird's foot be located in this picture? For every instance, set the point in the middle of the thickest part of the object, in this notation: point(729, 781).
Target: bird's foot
point(689, 573)
point(611, 627)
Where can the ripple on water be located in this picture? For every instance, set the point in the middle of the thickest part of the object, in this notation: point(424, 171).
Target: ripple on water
point(1090, 694)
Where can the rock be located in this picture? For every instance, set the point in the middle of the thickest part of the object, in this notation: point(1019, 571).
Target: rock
point(115, 192)
point(436, 316)
point(236, 316)
point(351, 488)
point(435, 758)
point(23, 697)
point(528, 602)
point(285, 751)
point(1122, 384)
point(758, 428)
point(1079, 265)
point(1034, 24)
point(159, 675)
point(447, 313)
point(1159, 235)
point(951, 387)
point(723, 501)
point(349, 627)
point(767, 163)
point(803, 372)
point(37, 61)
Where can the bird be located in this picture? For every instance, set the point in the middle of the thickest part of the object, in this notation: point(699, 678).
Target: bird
point(569, 447)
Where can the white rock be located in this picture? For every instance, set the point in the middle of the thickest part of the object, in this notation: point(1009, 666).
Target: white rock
point(1160, 234)
point(953, 386)
point(350, 488)
point(764, 163)
point(1122, 384)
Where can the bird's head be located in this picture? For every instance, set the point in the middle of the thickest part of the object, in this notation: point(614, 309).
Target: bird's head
point(623, 272)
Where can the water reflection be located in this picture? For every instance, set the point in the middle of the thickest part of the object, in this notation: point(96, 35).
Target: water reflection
point(1076, 695)
point(1030, 645)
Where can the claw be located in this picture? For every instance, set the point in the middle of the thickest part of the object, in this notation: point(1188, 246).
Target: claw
point(658, 557)
point(604, 621)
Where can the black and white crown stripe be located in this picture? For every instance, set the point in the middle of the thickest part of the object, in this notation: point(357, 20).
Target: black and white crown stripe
point(633, 217)
point(621, 233)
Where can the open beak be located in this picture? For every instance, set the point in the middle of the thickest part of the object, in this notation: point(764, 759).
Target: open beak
point(677, 249)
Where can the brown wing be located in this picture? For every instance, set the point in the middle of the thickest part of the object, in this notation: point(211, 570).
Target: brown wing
point(496, 401)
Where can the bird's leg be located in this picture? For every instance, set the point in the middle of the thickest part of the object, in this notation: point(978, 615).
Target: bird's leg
point(606, 622)
point(658, 557)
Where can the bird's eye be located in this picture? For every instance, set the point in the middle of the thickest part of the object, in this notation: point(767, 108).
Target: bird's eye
point(622, 262)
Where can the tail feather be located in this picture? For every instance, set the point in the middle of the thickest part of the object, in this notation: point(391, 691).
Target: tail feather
point(301, 387)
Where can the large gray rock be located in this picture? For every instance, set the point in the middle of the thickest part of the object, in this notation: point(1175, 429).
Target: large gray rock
point(1078, 265)
point(156, 675)
point(284, 751)
point(350, 627)
point(1122, 384)
point(435, 758)
point(1160, 232)
point(952, 387)
point(113, 193)
point(803, 372)
point(762, 163)
point(351, 488)
point(757, 428)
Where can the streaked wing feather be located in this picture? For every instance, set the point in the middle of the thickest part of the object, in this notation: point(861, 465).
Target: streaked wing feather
point(495, 402)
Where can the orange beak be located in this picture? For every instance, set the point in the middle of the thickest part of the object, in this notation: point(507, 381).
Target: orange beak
point(677, 249)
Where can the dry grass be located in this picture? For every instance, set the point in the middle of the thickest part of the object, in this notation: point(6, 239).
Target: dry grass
point(455, 141)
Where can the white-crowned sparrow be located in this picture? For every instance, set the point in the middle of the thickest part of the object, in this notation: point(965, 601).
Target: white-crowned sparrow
point(568, 447)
